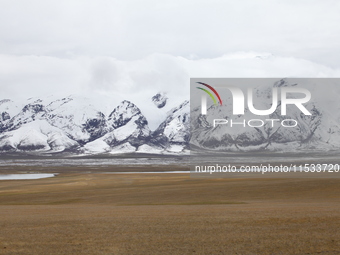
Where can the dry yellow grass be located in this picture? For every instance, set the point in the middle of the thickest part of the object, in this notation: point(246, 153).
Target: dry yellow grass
point(95, 213)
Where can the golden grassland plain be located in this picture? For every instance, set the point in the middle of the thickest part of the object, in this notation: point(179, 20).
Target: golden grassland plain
point(104, 213)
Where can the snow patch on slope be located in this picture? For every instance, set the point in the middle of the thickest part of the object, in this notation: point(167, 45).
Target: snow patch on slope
point(36, 135)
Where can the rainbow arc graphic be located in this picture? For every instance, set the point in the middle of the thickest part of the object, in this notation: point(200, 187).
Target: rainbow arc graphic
point(212, 93)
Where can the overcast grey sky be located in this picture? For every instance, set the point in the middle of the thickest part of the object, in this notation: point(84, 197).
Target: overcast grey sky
point(49, 46)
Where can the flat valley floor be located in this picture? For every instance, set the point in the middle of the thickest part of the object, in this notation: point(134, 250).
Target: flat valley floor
point(105, 213)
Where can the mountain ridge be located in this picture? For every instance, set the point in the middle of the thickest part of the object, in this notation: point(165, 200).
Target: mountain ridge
point(67, 125)
point(76, 126)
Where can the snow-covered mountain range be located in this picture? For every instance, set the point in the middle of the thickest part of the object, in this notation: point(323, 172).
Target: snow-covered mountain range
point(73, 124)
point(78, 125)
